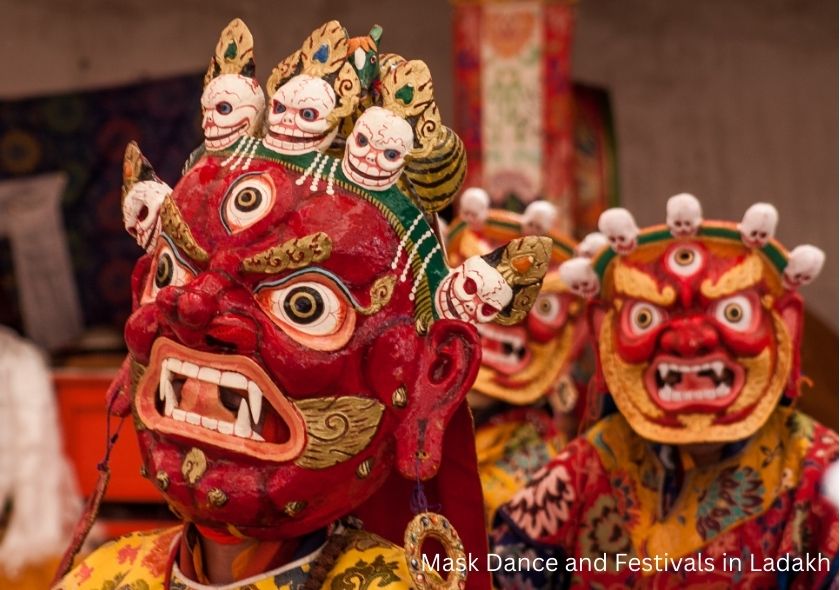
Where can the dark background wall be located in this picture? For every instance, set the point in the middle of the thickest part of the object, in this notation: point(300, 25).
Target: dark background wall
point(734, 100)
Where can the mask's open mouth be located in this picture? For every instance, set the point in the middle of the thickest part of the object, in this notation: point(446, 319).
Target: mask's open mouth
point(237, 128)
point(356, 164)
point(702, 384)
point(225, 400)
point(504, 349)
point(298, 136)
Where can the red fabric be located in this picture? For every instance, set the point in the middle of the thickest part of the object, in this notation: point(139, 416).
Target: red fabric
point(454, 492)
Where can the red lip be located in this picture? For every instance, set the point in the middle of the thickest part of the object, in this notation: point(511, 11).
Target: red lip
point(702, 384)
point(226, 401)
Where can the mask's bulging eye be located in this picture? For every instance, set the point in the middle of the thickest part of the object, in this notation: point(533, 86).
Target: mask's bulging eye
point(644, 317)
point(309, 114)
point(224, 108)
point(685, 261)
point(311, 312)
point(548, 308)
point(249, 199)
point(304, 305)
point(167, 271)
point(735, 313)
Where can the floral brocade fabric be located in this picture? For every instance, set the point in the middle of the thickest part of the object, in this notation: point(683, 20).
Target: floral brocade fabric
point(143, 561)
point(752, 520)
point(511, 447)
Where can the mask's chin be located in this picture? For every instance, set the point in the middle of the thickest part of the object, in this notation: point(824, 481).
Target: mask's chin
point(220, 400)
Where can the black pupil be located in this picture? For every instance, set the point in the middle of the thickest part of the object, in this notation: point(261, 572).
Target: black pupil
point(163, 272)
point(309, 114)
point(248, 199)
point(685, 257)
point(643, 318)
point(361, 139)
point(733, 313)
point(391, 154)
point(304, 305)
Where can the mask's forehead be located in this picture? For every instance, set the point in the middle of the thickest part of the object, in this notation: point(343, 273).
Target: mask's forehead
point(689, 267)
point(245, 212)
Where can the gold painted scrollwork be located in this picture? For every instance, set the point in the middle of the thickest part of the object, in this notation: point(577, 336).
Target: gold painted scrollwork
point(176, 228)
point(337, 428)
point(380, 294)
point(292, 254)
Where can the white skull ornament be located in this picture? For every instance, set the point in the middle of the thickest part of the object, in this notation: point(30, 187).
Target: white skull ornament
point(141, 211)
point(538, 218)
point(683, 215)
point(231, 106)
point(376, 149)
point(804, 264)
point(591, 244)
point(580, 277)
point(474, 292)
point(473, 207)
point(620, 228)
point(298, 121)
point(759, 225)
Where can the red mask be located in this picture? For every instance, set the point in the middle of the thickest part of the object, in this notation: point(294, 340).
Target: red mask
point(522, 363)
point(698, 325)
point(271, 398)
point(287, 350)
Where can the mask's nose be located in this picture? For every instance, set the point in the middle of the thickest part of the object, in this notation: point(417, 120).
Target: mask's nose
point(689, 337)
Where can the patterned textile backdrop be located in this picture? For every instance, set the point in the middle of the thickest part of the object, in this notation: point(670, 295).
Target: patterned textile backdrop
point(530, 132)
point(85, 135)
point(514, 100)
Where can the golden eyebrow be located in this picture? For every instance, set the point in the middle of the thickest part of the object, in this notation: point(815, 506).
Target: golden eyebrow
point(739, 277)
point(291, 254)
point(635, 283)
point(176, 228)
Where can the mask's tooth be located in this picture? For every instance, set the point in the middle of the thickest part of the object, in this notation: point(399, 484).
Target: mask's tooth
point(189, 369)
point(257, 437)
point(225, 427)
point(164, 380)
point(717, 367)
point(173, 365)
point(210, 375)
point(233, 380)
point(255, 398)
point(663, 370)
point(243, 421)
point(169, 396)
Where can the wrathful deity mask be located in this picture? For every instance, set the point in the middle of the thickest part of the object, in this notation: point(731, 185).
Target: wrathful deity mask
point(519, 363)
point(697, 322)
point(287, 349)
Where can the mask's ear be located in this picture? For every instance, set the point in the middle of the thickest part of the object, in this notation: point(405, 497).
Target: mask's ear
point(448, 366)
point(792, 312)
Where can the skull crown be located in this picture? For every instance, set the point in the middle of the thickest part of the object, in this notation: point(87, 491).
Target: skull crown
point(684, 220)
